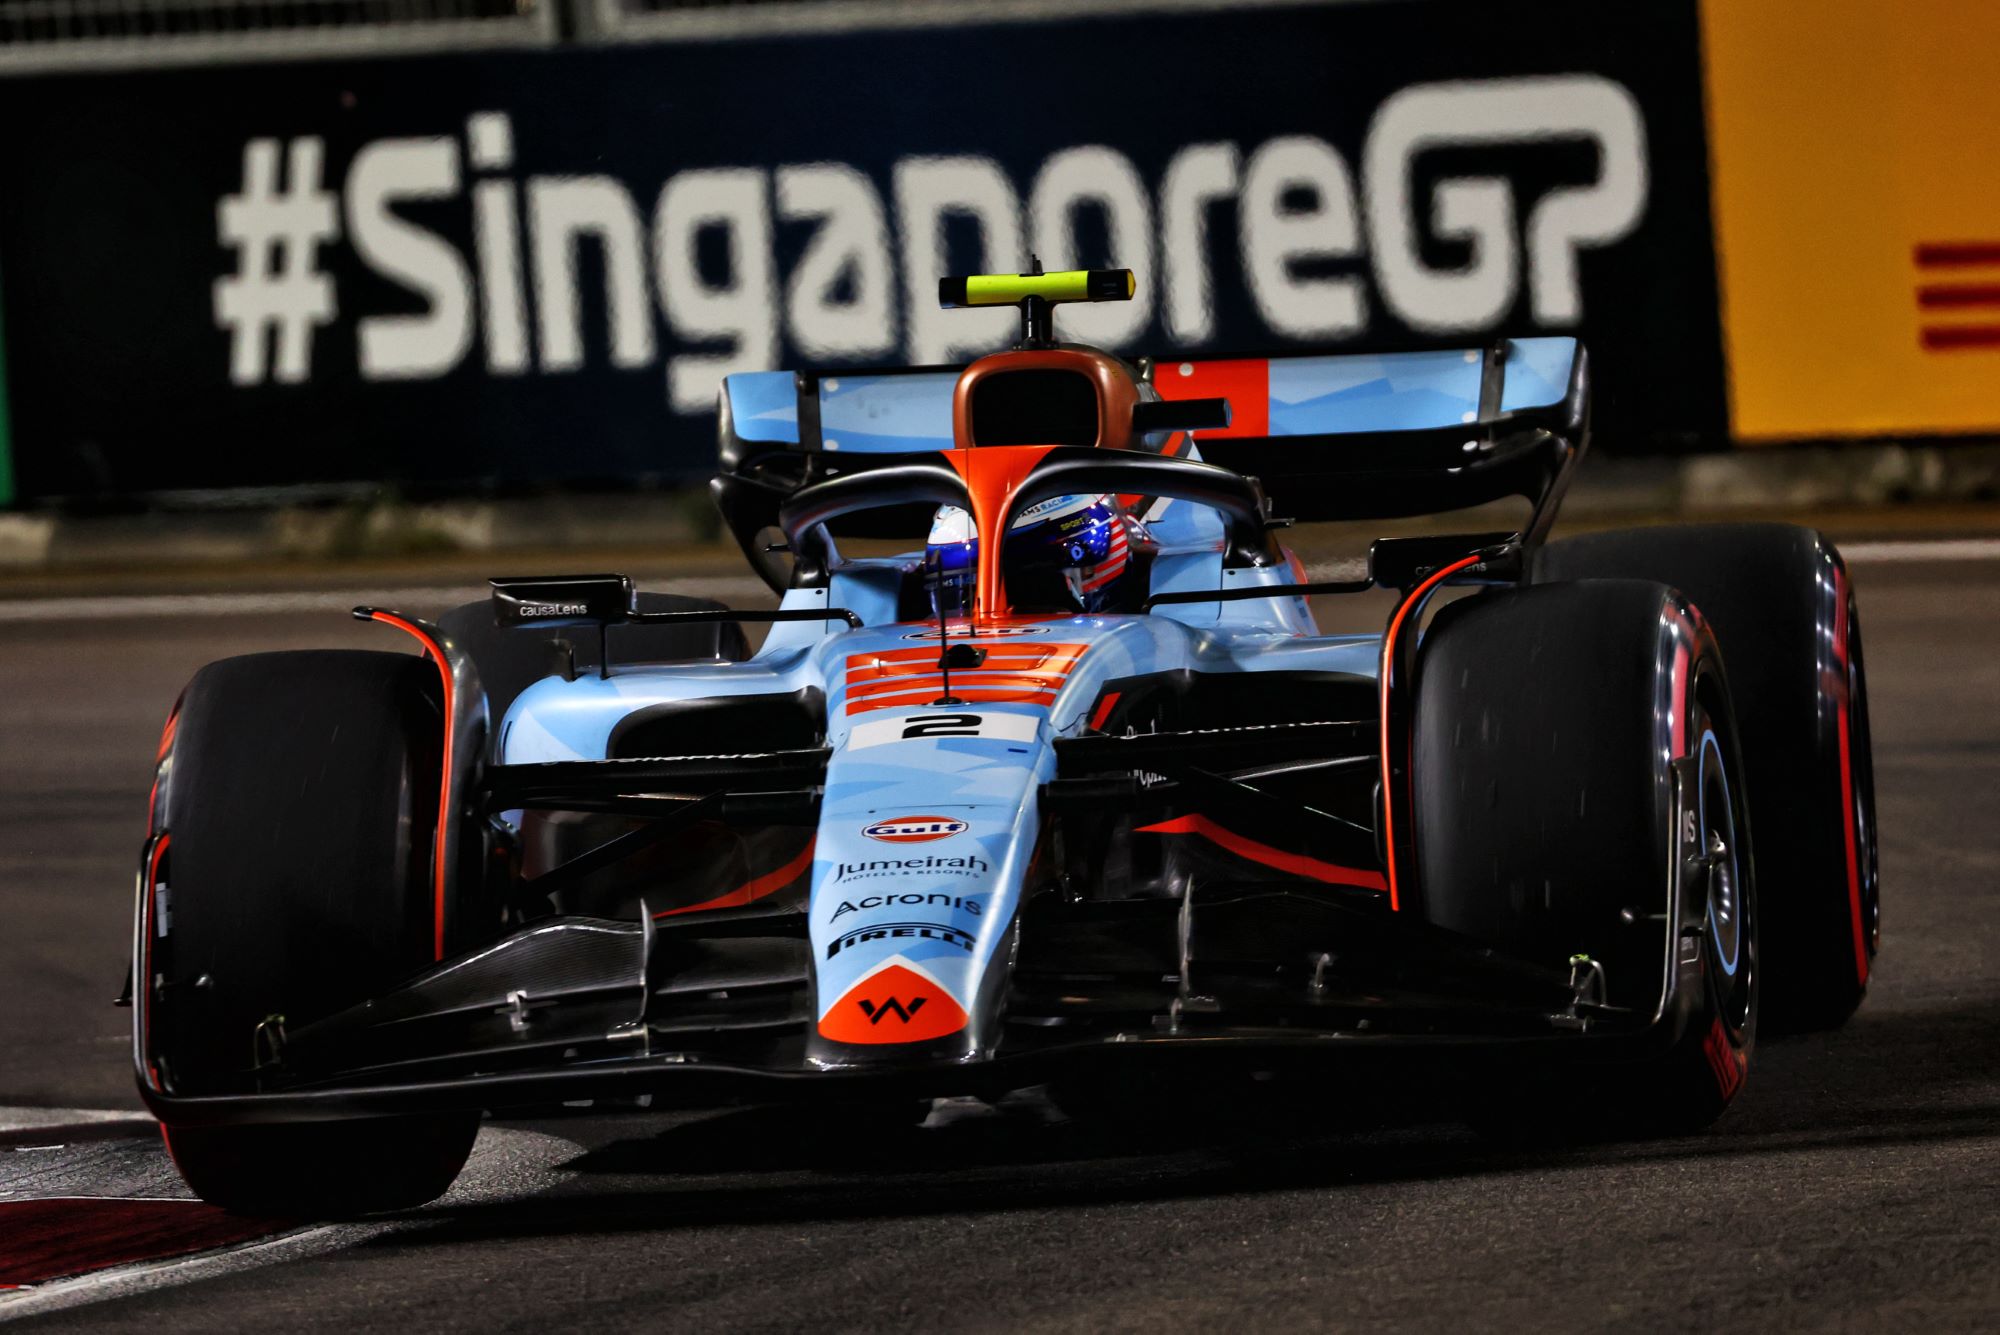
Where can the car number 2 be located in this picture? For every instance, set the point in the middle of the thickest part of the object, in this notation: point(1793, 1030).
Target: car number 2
point(943, 725)
point(936, 727)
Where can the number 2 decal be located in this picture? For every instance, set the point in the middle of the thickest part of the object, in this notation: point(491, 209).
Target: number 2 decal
point(929, 726)
point(942, 725)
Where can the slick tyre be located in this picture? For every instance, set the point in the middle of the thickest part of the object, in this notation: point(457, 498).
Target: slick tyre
point(293, 879)
point(1780, 603)
point(1577, 791)
point(323, 1169)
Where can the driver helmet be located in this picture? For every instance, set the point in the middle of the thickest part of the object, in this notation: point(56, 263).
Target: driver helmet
point(1065, 554)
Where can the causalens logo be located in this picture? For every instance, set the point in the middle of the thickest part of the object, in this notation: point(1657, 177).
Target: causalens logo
point(1324, 243)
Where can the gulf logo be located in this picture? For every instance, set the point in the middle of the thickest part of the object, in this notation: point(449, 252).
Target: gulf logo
point(914, 829)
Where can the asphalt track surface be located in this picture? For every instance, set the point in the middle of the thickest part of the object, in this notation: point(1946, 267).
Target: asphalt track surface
point(1855, 1185)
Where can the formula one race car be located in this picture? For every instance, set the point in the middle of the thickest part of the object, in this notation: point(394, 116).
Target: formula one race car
point(1073, 793)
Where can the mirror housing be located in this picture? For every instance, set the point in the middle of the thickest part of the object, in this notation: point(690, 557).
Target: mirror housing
point(562, 600)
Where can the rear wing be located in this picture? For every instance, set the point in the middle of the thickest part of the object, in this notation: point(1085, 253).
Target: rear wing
point(902, 411)
point(1377, 436)
point(1354, 436)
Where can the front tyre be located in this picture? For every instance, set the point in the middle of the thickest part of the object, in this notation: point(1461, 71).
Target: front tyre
point(290, 879)
point(1577, 793)
point(1698, 1076)
point(322, 1169)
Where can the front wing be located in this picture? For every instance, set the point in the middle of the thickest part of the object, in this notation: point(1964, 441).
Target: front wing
point(714, 1008)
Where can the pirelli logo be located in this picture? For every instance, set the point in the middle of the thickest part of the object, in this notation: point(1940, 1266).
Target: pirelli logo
point(1016, 672)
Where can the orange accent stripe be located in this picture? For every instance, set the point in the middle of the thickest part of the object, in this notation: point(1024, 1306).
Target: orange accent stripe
point(992, 476)
point(1017, 667)
point(1103, 711)
point(167, 733)
point(1298, 864)
point(166, 744)
point(991, 680)
point(865, 671)
point(930, 680)
point(929, 693)
point(1388, 659)
point(1245, 382)
point(440, 873)
point(752, 891)
point(1030, 653)
point(1010, 674)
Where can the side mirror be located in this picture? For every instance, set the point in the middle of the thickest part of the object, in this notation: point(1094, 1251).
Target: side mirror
point(1180, 415)
point(562, 600)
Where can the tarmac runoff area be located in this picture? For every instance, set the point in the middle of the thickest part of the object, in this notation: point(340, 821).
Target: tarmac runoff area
point(1854, 1185)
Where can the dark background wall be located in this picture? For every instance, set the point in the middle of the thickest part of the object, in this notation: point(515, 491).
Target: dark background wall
point(1418, 173)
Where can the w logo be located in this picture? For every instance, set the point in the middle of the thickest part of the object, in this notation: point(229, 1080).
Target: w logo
point(875, 1010)
point(924, 1010)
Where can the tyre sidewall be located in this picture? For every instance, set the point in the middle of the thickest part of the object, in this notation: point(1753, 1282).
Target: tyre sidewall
point(300, 822)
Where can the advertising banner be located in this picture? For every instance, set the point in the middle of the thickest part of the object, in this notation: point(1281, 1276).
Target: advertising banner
point(505, 268)
point(1857, 184)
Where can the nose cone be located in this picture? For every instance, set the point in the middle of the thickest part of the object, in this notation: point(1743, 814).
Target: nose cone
point(897, 1003)
point(923, 846)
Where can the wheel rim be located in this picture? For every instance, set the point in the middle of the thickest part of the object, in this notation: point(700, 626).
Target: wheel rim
point(1718, 841)
point(1728, 910)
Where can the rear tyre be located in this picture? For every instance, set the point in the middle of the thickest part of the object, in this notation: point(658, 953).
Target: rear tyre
point(1550, 724)
point(1781, 605)
point(299, 819)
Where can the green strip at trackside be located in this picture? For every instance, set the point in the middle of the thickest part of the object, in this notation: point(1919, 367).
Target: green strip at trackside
point(6, 436)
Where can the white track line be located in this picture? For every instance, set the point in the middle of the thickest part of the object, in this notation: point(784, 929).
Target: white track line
point(1945, 549)
point(56, 1120)
point(26, 1128)
point(120, 607)
point(141, 1275)
point(507, 1164)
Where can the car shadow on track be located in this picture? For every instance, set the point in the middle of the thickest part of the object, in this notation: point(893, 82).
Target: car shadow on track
point(1890, 1079)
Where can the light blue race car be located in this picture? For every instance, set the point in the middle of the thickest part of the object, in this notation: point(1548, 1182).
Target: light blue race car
point(1070, 790)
